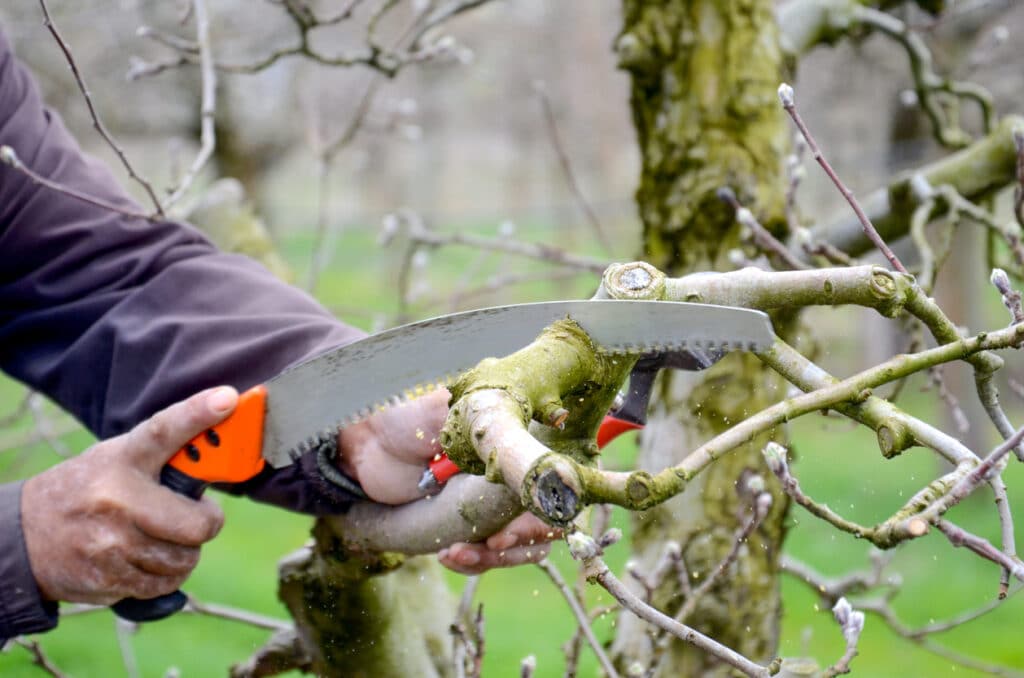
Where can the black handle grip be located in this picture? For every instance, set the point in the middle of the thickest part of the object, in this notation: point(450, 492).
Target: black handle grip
point(152, 609)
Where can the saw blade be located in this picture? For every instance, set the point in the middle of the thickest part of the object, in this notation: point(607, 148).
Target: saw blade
point(315, 398)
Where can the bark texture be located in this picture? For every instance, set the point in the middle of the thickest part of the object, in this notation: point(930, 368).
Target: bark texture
point(704, 79)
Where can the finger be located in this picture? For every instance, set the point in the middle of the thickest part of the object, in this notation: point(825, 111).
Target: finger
point(149, 445)
point(473, 559)
point(394, 483)
point(527, 529)
point(164, 559)
point(130, 582)
point(146, 586)
point(169, 517)
point(416, 440)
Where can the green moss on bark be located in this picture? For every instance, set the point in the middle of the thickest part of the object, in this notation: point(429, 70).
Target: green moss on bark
point(705, 110)
point(704, 79)
point(560, 378)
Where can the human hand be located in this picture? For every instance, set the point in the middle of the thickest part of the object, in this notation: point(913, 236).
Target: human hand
point(527, 539)
point(388, 452)
point(99, 527)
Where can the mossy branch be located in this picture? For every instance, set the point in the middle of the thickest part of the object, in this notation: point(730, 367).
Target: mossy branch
point(487, 431)
point(561, 382)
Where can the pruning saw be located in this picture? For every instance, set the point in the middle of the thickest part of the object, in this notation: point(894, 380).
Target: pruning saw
point(279, 421)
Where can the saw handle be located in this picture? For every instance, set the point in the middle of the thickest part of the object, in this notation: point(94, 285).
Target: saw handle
point(231, 452)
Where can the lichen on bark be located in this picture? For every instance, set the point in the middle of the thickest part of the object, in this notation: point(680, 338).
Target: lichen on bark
point(367, 615)
point(704, 107)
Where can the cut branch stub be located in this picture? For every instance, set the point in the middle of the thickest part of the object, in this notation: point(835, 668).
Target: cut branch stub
point(635, 280)
point(565, 385)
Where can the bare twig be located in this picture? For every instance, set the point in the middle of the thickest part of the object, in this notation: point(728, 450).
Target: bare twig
point(236, 615)
point(23, 405)
point(761, 505)
point(1011, 297)
point(588, 551)
point(40, 659)
point(788, 100)
point(566, 165)
point(44, 426)
point(852, 624)
point(96, 121)
point(124, 630)
point(581, 617)
point(10, 158)
point(931, 89)
point(420, 235)
point(208, 104)
point(960, 537)
point(860, 582)
point(762, 236)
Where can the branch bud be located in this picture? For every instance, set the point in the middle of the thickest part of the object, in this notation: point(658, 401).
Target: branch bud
point(612, 536)
point(775, 457)
point(842, 610)
point(582, 546)
point(999, 279)
point(786, 96)
point(9, 157)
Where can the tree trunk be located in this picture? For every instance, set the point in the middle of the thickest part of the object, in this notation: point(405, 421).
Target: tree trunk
point(704, 79)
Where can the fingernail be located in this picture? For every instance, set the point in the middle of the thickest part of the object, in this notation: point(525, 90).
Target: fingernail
point(442, 554)
point(468, 558)
point(222, 399)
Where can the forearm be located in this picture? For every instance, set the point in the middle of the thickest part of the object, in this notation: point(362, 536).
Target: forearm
point(115, 317)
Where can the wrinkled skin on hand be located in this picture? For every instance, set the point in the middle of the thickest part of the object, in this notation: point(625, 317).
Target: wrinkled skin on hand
point(99, 527)
point(387, 454)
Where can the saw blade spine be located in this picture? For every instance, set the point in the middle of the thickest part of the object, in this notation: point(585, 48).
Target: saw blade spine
point(419, 390)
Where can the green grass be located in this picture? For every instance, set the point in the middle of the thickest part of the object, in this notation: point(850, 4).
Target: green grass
point(524, 614)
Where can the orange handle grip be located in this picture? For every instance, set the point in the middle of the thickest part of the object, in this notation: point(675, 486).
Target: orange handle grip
point(232, 451)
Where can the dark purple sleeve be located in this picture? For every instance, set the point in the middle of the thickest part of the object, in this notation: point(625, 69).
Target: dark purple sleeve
point(115, 318)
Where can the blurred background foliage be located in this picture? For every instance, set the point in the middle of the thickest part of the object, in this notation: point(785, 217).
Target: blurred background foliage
point(464, 144)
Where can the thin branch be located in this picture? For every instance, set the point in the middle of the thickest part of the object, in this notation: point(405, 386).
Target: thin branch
point(789, 103)
point(761, 505)
point(928, 84)
point(208, 104)
point(124, 630)
point(588, 551)
point(10, 158)
point(236, 615)
point(419, 234)
point(40, 659)
point(567, 171)
point(960, 537)
point(581, 617)
point(762, 236)
point(851, 623)
point(858, 582)
point(96, 121)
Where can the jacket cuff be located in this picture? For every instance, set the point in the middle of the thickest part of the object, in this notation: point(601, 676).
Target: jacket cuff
point(22, 608)
point(299, 487)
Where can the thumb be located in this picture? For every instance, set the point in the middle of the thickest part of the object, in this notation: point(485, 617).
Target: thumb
point(153, 442)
